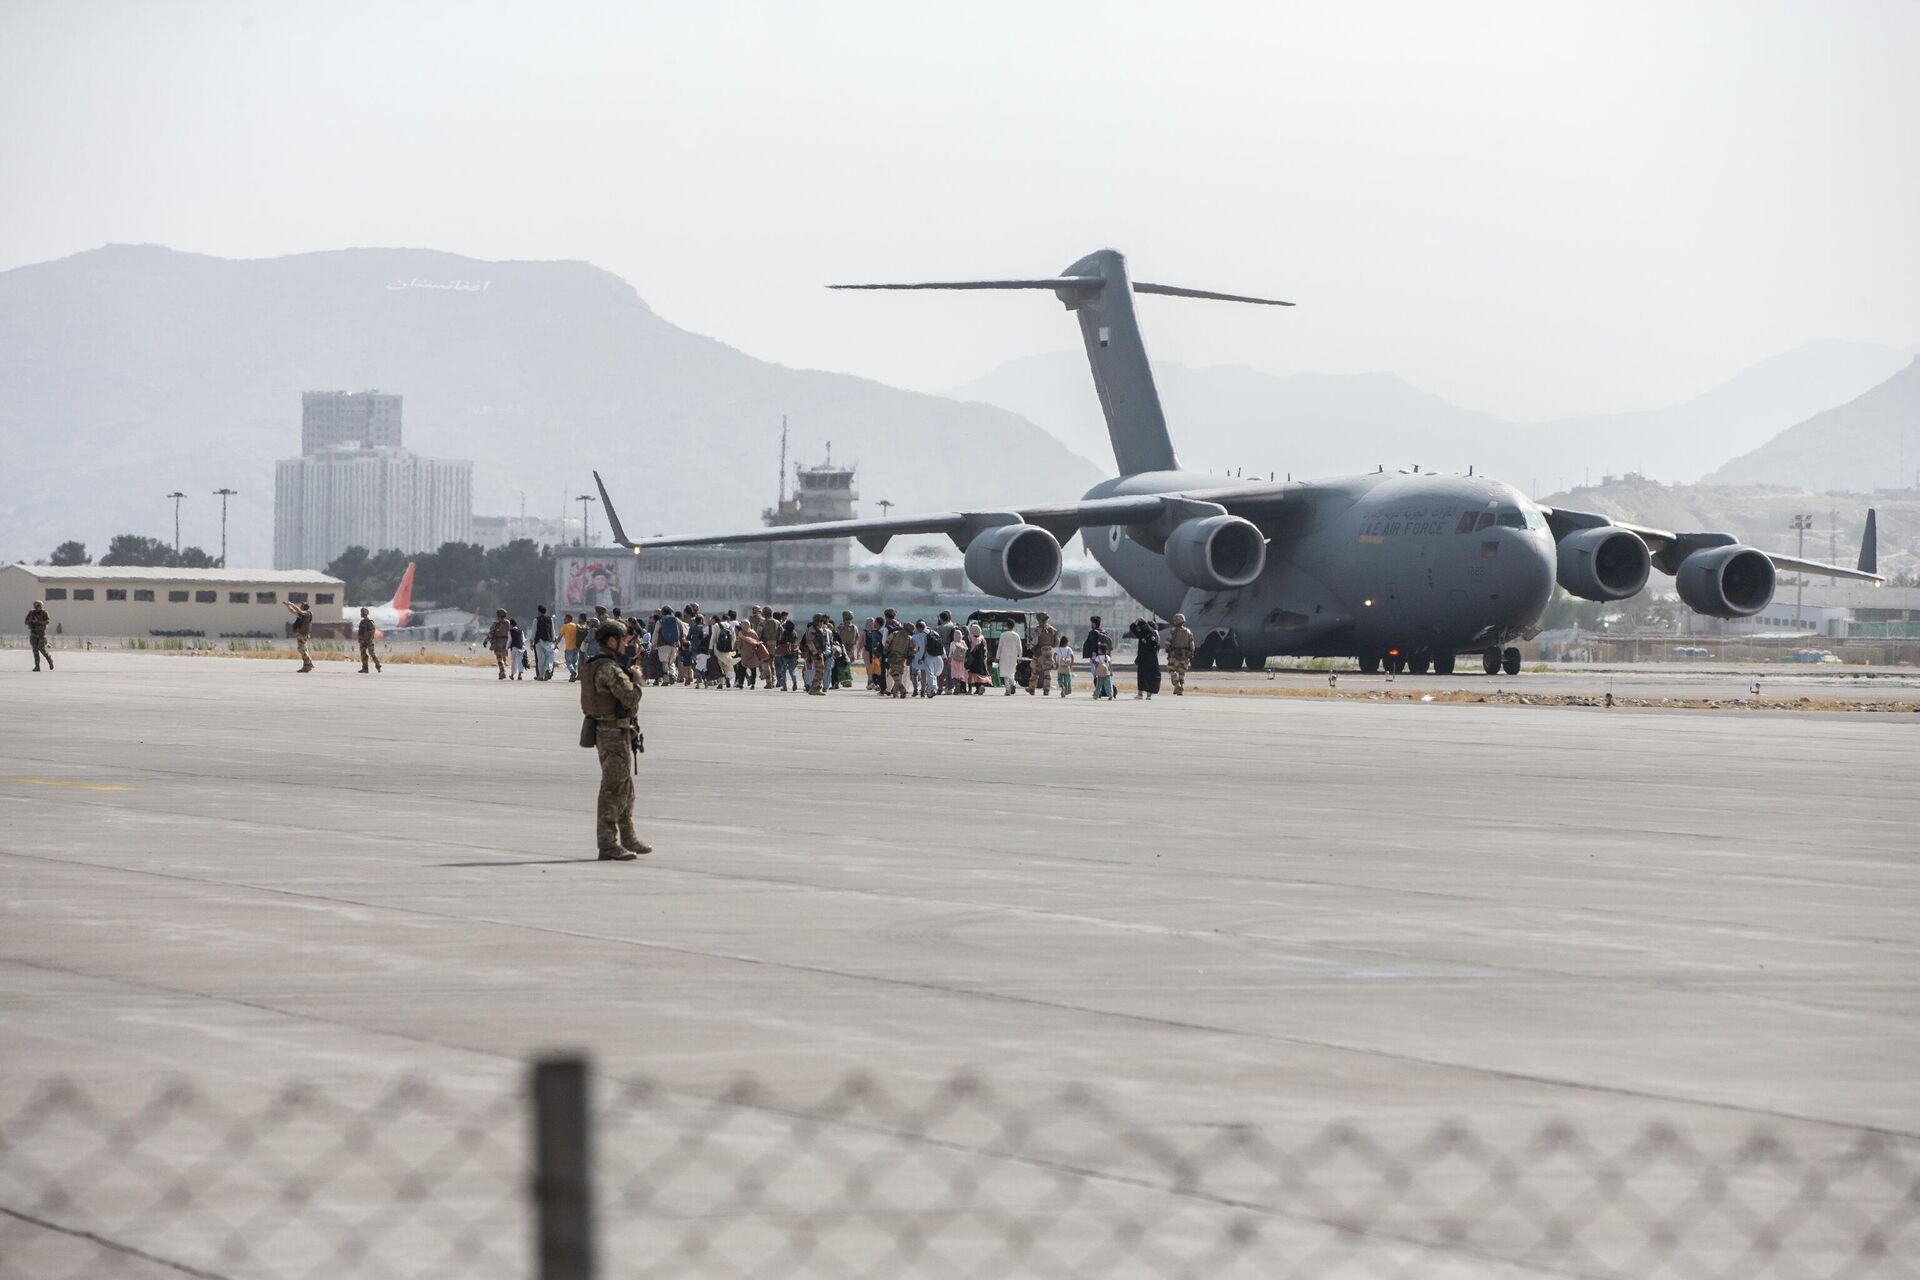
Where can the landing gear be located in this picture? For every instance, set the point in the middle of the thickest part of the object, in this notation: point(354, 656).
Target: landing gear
point(1490, 662)
point(1369, 666)
point(1395, 664)
point(1256, 662)
point(1418, 665)
point(1510, 661)
point(1443, 664)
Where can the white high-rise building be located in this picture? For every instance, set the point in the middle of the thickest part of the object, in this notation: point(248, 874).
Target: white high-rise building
point(343, 420)
point(355, 486)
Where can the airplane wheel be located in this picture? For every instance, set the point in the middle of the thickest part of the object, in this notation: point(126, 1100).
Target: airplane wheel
point(1510, 661)
point(1490, 662)
point(1369, 666)
point(1202, 662)
point(1417, 665)
point(1256, 663)
point(1396, 665)
point(1443, 664)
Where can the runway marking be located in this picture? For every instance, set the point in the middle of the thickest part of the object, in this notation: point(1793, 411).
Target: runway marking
point(69, 782)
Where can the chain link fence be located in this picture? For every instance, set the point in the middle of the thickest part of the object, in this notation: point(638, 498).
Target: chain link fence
point(421, 1181)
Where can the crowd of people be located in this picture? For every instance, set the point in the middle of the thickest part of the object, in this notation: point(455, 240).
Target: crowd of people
point(774, 650)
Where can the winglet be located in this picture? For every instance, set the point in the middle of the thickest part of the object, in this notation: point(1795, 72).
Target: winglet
point(1870, 545)
point(613, 517)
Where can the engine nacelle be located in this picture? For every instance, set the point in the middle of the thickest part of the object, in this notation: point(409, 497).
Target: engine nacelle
point(1216, 553)
point(1014, 561)
point(1604, 564)
point(1726, 582)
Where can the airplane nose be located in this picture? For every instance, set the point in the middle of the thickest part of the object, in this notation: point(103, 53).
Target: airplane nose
point(1529, 561)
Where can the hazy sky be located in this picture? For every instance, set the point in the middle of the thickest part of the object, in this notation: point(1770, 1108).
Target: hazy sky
point(1536, 209)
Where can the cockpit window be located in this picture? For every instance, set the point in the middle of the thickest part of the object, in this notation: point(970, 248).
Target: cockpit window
point(1516, 518)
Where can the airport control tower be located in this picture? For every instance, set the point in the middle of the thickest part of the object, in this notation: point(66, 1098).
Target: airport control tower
point(819, 570)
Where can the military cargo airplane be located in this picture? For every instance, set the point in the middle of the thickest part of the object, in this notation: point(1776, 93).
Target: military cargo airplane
point(1402, 569)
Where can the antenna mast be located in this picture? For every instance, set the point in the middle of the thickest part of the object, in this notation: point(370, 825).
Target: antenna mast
point(783, 459)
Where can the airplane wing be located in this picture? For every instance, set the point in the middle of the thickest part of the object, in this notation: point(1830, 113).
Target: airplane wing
point(1669, 548)
point(1062, 520)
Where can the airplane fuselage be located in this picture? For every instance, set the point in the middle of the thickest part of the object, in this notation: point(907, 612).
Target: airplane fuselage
point(1368, 565)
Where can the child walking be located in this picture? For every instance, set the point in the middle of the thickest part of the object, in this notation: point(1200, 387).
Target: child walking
point(1102, 663)
point(1063, 665)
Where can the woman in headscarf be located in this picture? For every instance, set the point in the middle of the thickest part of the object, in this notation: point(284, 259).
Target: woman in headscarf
point(957, 663)
point(1146, 658)
point(976, 667)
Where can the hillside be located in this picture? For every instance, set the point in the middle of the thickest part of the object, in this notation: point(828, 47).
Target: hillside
point(130, 371)
point(1323, 424)
point(1869, 442)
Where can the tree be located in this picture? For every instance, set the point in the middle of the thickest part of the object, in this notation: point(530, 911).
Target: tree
point(70, 553)
point(521, 575)
point(195, 558)
point(133, 549)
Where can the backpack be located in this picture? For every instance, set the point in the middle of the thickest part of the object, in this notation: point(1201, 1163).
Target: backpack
point(669, 630)
point(723, 638)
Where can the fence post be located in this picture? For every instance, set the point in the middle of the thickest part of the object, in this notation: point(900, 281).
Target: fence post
point(562, 1183)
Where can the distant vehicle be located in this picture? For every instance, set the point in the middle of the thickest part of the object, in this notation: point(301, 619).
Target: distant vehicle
point(1810, 656)
point(995, 621)
point(395, 613)
point(1690, 653)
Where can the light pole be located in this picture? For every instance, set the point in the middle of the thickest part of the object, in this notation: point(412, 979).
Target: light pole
point(176, 495)
point(223, 495)
point(1800, 525)
point(586, 522)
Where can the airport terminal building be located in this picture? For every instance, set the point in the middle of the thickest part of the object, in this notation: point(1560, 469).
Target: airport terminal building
point(126, 601)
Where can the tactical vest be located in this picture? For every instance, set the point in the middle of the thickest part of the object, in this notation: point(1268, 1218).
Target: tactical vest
point(594, 700)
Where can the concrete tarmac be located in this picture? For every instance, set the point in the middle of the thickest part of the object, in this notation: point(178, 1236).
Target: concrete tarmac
point(1211, 909)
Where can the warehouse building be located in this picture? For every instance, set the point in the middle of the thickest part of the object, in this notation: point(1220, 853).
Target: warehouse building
point(100, 600)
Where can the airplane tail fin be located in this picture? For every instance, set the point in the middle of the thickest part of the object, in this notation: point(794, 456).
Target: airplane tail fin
point(1098, 290)
point(402, 601)
point(1870, 545)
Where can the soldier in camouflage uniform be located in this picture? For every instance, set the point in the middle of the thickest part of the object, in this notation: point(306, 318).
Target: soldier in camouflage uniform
point(768, 630)
point(897, 650)
point(37, 623)
point(302, 631)
point(850, 637)
point(1041, 643)
point(609, 697)
point(366, 632)
point(497, 636)
point(1179, 653)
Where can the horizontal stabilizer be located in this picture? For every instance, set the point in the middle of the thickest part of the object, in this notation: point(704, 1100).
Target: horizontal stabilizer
point(1175, 291)
point(1056, 282)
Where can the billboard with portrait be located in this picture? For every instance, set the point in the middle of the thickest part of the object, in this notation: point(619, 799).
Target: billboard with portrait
point(589, 580)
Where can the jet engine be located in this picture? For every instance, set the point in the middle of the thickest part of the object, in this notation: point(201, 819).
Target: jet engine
point(1726, 582)
point(1216, 553)
point(1014, 561)
point(1604, 564)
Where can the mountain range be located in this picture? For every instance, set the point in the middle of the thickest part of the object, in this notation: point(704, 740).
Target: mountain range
point(1870, 442)
point(130, 371)
point(134, 370)
point(1230, 417)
